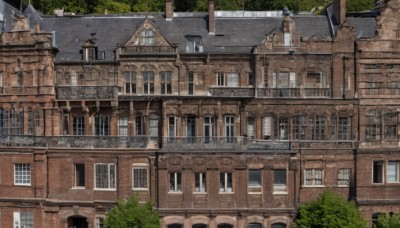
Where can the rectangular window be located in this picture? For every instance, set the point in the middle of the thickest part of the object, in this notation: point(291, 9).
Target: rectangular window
point(123, 126)
point(373, 125)
point(251, 127)
point(22, 174)
point(282, 128)
point(232, 80)
point(254, 184)
point(190, 129)
point(267, 125)
point(208, 129)
point(146, 37)
point(344, 128)
point(299, 128)
point(317, 127)
point(33, 121)
point(166, 82)
point(377, 172)
point(229, 129)
point(393, 172)
point(13, 122)
point(200, 182)
point(390, 127)
point(279, 180)
point(139, 129)
point(287, 39)
point(99, 222)
point(105, 176)
point(190, 84)
point(139, 178)
point(175, 182)
point(171, 128)
point(101, 125)
point(79, 175)
point(194, 44)
point(313, 177)
point(315, 80)
point(130, 82)
point(1, 79)
point(344, 177)
point(220, 79)
point(153, 126)
point(148, 82)
point(20, 77)
point(79, 125)
point(23, 220)
point(225, 182)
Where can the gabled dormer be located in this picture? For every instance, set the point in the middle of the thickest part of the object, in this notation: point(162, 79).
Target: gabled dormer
point(147, 39)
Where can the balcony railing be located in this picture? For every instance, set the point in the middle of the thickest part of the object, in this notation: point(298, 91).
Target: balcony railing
point(78, 141)
point(147, 49)
point(279, 92)
point(232, 92)
point(201, 143)
point(87, 92)
point(317, 92)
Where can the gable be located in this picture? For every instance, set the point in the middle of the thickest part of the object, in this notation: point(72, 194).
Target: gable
point(388, 24)
point(147, 35)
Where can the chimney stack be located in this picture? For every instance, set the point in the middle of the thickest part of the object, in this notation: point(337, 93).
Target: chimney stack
point(211, 22)
point(339, 9)
point(169, 10)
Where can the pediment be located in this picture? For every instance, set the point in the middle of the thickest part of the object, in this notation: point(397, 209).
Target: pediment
point(147, 35)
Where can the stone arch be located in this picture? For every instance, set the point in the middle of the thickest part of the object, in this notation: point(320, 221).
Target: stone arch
point(173, 219)
point(255, 219)
point(199, 219)
point(284, 220)
point(224, 219)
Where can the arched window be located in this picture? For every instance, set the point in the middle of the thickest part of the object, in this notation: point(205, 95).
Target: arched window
point(199, 226)
point(176, 225)
point(278, 225)
point(254, 225)
point(225, 226)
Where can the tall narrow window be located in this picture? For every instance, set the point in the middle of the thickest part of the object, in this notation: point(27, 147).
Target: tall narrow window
point(33, 121)
point(267, 124)
point(13, 122)
point(208, 129)
point(282, 128)
point(220, 79)
point(20, 77)
point(105, 176)
point(254, 184)
point(171, 128)
point(393, 172)
point(166, 82)
point(344, 128)
point(139, 128)
point(200, 182)
point(299, 128)
point(175, 182)
point(373, 125)
point(313, 177)
point(390, 126)
point(123, 126)
point(279, 180)
point(146, 37)
point(191, 129)
point(101, 125)
point(287, 39)
point(225, 182)
point(139, 177)
point(79, 125)
point(99, 222)
point(317, 127)
point(190, 84)
point(130, 82)
point(74, 78)
point(377, 172)
point(251, 127)
point(229, 129)
point(153, 126)
point(344, 177)
point(232, 80)
point(148, 82)
point(79, 175)
point(1, 79)
point(22, 174)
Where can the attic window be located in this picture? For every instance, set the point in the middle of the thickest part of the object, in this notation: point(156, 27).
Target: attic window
point(194, 44)
point(146, 37)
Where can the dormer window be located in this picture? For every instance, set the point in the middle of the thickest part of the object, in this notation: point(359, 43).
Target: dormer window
point(147, 37)
point(194, 44)
point(91, 53)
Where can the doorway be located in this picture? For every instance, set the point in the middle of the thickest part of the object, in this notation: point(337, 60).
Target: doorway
point(77, 222)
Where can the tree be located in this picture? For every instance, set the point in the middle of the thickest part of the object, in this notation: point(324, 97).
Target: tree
point(330, 210)
point(387, 220)
point(111, 6)
point(359, 5)
point(131, 214)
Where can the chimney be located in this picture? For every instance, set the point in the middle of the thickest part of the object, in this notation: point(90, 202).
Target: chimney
point(339, 9)
point(211, 22)
point(169, 11)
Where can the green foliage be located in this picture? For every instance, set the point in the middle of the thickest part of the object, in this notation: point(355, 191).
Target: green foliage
point(387, 221)
point(131, 214)
point(359, 5)
point(111, 7)
point(330, 210)
point(148, 6)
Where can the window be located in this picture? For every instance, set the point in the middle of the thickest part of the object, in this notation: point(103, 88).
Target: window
point(171, 128)
point(299, 127)
point(99, 222)
point(130, 82)
point(344, 177)
point(166, 82)
point(146, 37)
point(225, 225)
point(79, 175)
point(393, 172)
point(278, 225)
point(191, 128)
point(284, 80)
point(315, 80)
point(267, 125)
point(74, 78)
point(194, 44)
point(101, 125)
point(176, 225)
point(229, 129)
point(251, 127)
point(79, 125)
point(199, 226)
point(344, 128)
point(373, 125)
point(105, 176)
point(175, 182)
point(22, 174)
point(313, 177)
point(33, 121)
point(153, 125)
point(139, 177)
point(220, 79)
point(139, 129)
point(317, 127)
point(377, 172)
point(190, 84)
point(13, 122)
point(282, 128)
point(200, 182)
point(254, 183)
point(279, 180)
point(123, 126)
point(254, 225)
point(230, 79)
point(20, 78)
point(390, 127)
point(148, 82)
point(287, 39)
point(225, 182)
point(1, 79)
point(23, 220)
point(208, 129)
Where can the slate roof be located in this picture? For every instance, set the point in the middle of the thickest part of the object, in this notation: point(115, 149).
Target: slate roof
point(9, 12)
point(365, 26)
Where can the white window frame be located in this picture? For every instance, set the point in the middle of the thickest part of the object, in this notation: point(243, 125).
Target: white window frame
point(123, 126)
point(109, 183)
point(251, 127)
point(267, 128)
point(177, 185)
point(344, 175)
point(172, 127)
point(232, 80)
point(101, 126)
point(98, 224)
point(280, 188)
point(130, 82)
point(200, 186)
point(396, 164)
point(224, 183)
point(287, 39)
point(229, 128)
point(209, 127)
point(22, 174)
point(76, 181)
point(140, 166)
point(221, 80)
point(254, 188)
point(313, 178)
point(18, 220)
point(147, 37)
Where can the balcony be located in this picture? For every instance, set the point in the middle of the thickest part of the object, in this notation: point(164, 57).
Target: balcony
point(147, 49)
point(78, 141)
point(294, 92)
point(203, 143)
point(86, 92)
point(317, 92)
point(232, 92)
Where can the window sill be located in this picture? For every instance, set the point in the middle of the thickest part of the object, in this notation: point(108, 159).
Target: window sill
point(22, 185)
point(280, 193)
point(255, 193)
point(105, 189)
point(200, 193)
point(140, 189)
point(313, 186)
point(78, 188)
point(343, 186)
point(175, 193)
point(226, 193)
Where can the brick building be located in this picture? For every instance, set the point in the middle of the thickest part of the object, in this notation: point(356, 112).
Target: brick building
point(222, 119)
